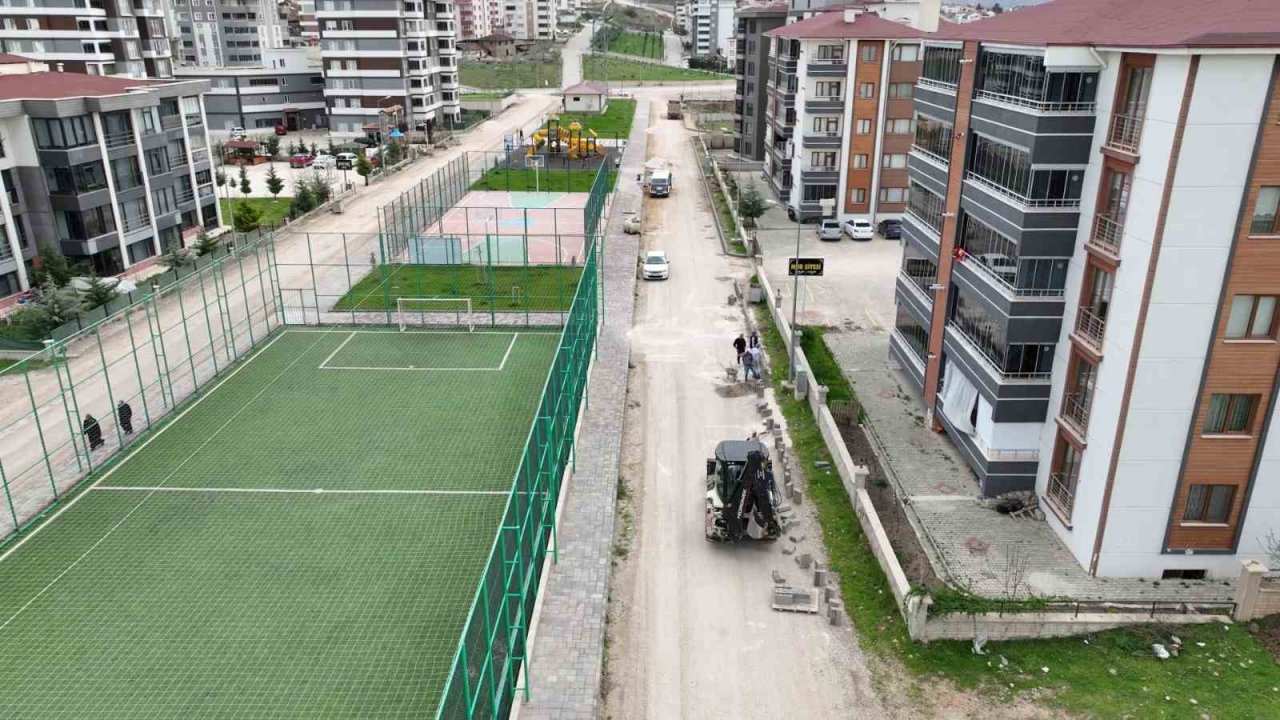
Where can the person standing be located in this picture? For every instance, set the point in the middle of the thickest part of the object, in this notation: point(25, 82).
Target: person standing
point(756, 355)
point(92, 432)
point(749, 366)
point(739, 347)
point(754, 342)
point(124, 414)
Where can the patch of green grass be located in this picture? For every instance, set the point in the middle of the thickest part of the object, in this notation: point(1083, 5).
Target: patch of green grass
point(271, 211)
point(823, 364)
point(514, 74)
point(484, 96)
point(614, 122)
point(1230, 676)
point(553, 180)
point(535, 288)
point(641, 44)
point(609, 69)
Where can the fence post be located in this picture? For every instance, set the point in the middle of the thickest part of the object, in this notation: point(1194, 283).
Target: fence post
point(35, 413)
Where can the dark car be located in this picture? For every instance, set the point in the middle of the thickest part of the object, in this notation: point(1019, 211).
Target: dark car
point(282, 130)
point(890, 229)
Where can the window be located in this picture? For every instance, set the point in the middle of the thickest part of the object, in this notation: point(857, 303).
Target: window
point(860, 161)
point(1177, 574)
point(259, 82)
point(868, 53)
point(925, 206)
point(74, 180)
point(1264, 213)
point(942, 65)
point(987, 333)
point(866, 90)
point(898, 126)
point(900, 91)
point(1252, 317)
point(816, 193)
point(1023, 79)
point(893, 161)
point(63, 132)
point(827, 89)
point(822, 160)
point(893, 195)
point(933, 137)
point(1009, 169)
point(906, 53)
point(125, 172)
point(1209, 503)
point(858, 196)
point(826, 124)
point(831, 53)
point(864, 127)
point(1230, 414)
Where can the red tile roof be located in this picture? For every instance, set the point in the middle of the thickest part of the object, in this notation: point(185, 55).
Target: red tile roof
point(831, 26)
point(58, 85)
point(1131, 23)
point(11, 59)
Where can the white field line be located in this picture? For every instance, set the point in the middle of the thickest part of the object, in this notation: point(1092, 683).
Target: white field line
point(296, 491)
point(341, 345)
point(501, 366)
point(166, 479)
point(525, 331)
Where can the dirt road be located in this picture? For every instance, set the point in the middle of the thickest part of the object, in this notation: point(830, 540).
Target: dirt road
point(692, 634)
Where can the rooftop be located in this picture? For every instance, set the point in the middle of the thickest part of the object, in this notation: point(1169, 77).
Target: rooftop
point(59, 85)
point(833, 26)
point(1131, 23)
point(585, 88)
point(11, 59)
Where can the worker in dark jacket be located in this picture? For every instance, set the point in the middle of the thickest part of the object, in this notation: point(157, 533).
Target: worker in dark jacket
point(93, 432)
point(740, 346)
point(124, 414)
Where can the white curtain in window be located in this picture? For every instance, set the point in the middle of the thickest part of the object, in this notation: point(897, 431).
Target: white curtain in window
point(959, 397)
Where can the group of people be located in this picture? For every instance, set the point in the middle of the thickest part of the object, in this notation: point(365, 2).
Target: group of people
point(93, 430)
point(750, 356)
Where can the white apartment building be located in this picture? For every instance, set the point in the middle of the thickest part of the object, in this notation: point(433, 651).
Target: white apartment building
point(475, 18)
point(711, 27)
point(529, 19)
point(229, 33)
point(1088, 299)
point(128, 38)
point(388, 63)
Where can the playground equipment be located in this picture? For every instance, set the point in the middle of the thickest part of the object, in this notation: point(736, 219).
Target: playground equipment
point(573, 140)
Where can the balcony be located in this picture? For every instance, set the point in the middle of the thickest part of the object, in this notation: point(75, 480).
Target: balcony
point(186, 195)
point(1061, 493)
point(828, 67)
point(170, 122)
point(923, 284)
point(199, 155)
point(1125, 134)
point(820, 138)
point(1004, 272)
point(207, 191)
point(820, 172)
point(1027, 202)
point(938, 85)
point(1090, 328)
point(1106, 235)
point(134, 224)
point(990, 364)
point(123, 138)
point(194, 119)
point(1039, 106)
point(1075, 412)
point(824, 103)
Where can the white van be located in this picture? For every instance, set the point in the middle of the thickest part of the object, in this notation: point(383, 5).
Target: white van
point(660, 183)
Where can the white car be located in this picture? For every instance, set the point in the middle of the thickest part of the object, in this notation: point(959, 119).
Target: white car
point(655, 266)
point(858, 229)
point(324, 161)
point(828, 230)
point(237, 133)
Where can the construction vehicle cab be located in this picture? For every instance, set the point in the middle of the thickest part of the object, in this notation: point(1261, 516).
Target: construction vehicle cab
point(742, 499)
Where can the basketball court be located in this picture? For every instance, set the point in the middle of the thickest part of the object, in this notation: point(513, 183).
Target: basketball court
point(506, 228)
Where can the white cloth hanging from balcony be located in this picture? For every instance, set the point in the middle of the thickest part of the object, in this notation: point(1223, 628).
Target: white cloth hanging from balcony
point(959, 397)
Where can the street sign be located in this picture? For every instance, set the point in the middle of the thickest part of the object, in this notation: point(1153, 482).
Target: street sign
point(805, 266)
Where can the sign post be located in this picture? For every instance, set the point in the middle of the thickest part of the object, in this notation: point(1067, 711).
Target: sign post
point(808, 267)
point(828, 207)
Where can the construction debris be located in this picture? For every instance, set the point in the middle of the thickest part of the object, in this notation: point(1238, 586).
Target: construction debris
point(778, 578)
point(804, 560)
point(789, 599)
point(819, 575)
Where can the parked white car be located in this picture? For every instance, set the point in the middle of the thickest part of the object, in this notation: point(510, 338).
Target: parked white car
point(828, 230)
point(237, 133)
point(324, 161)
point(859, 229)
point(655, 266)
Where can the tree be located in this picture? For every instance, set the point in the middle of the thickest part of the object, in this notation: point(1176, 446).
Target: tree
point(321, 188)
point(176, 256)
point(245, 217)
point(98, 293)
point(751, 206)
point(315, 149)
point(274, 183)
point(53, 267)
point(220, 178)
point(303, 199)
point(219, 152)
point(204, 244)
point(245, 187)
point(997, 9)
point(52, 307)
point(272, 145)
point(364, 168)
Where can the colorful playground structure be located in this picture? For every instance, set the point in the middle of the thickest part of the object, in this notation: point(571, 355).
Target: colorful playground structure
point(578, 143)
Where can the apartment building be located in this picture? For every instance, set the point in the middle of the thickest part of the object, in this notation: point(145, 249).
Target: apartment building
point(475, 19)
point(529, 19)
point(751, 75)
point(286, 89)
point(230, 33)
point(1088, 296)
point(109, 170)
point(711, 27)
point(128, 38)
point(839, 113)
point(310, 29)
point(388, 63)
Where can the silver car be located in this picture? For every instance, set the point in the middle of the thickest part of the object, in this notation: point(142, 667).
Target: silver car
point(829, 230)
point(655, 266)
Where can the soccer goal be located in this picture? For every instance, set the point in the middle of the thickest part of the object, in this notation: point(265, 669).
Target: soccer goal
point(434, 312)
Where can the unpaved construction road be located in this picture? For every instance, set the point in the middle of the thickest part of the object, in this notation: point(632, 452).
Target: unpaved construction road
point(692, 634)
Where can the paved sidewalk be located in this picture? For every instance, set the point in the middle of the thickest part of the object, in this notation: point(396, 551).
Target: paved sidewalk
point(567, 655)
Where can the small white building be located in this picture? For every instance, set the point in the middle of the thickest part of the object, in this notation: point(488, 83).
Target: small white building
point(585, 97)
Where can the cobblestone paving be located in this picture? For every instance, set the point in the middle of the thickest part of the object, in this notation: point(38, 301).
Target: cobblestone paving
point(568, 649)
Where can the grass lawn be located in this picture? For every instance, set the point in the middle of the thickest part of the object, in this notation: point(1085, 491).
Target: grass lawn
point(1113, 675)
point(648, 45)
point(536, 288)
point(823, 364)
point(614, 122)
point(617, 70)
point(271, 211)
point(523, 180)
point(515, 74)
point(484, 96)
